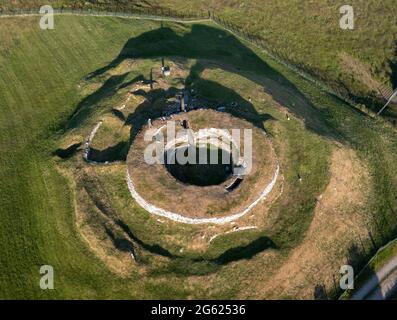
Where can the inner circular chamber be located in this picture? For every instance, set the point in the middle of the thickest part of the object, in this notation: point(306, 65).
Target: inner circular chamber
point(199, 165)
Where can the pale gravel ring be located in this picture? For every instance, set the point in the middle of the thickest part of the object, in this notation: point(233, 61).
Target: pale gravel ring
point(181, 218)
point(188, 220)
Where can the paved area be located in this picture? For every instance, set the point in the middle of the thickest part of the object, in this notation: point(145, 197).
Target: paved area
point(381, 285)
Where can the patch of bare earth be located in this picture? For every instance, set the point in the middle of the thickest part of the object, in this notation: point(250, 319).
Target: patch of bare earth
point(337, 225)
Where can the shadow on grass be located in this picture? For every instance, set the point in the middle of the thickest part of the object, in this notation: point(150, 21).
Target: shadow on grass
point(120, 243)
point(86, 107)
point(68, 152)
point(99, 198)
point(149, 109)
point(320, 292)
point(209, 43)
point(117, 152)
point(215, 96)
point(205, 43)
point(201, 266)
point(117, 113)
point(246, 252)
point(149, 247)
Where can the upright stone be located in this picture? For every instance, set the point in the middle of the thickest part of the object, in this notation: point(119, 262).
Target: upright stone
point(183, 102)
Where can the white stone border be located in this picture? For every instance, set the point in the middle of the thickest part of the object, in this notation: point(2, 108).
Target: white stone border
point(181, 218)
point(89, 141)
point(216, 137)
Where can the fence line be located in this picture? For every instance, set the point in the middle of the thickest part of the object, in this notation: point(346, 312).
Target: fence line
point(281, 58)
point(120, 12)
point(177, 16)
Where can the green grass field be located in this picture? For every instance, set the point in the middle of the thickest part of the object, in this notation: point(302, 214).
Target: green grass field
point(355, 61)
point(39, 73)
point(39, 76)
point(308, 35)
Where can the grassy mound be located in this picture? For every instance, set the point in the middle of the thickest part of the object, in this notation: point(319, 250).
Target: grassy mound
point(56, 85)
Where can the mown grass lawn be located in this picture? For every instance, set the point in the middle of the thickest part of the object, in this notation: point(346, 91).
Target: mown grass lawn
point(39, 72)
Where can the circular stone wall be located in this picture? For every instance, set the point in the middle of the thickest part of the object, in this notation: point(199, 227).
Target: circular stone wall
point(186, 192)
point(200, 173)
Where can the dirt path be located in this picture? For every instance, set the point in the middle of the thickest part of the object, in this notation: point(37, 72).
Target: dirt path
point(336, 224)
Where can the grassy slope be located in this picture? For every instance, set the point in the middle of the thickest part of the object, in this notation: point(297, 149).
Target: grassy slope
point(36, 211)
point(306, 32)
point(39, 72)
